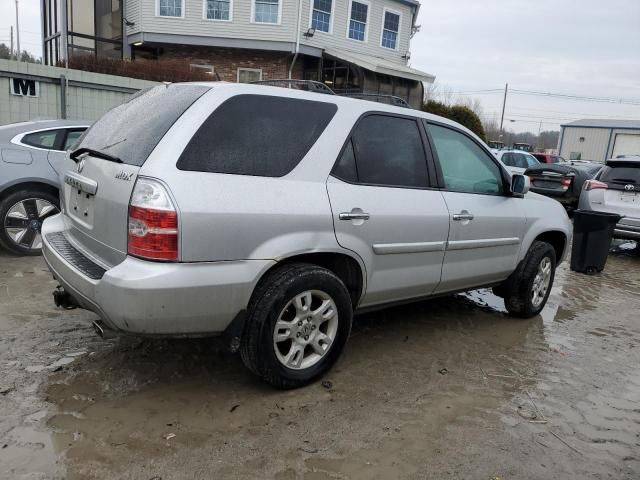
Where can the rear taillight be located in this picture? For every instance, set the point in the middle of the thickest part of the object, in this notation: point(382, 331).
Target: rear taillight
point(153, 222)
point(594, 185)
point(566, 181)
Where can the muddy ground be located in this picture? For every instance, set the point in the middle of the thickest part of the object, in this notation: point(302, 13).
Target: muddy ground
point(449, 388)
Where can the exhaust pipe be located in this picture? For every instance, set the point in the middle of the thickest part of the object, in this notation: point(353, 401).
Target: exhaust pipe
point(63, 299)
point(102, 331)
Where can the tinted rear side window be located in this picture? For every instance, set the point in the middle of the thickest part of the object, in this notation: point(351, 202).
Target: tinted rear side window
point(132, 130)
point(257, 135)
point(621, 174)
point(46, 139)
point(389, 151)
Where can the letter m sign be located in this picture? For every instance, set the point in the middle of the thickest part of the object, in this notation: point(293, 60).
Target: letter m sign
point(24, 87)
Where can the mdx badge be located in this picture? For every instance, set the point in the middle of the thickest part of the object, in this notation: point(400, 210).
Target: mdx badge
point(122, 175)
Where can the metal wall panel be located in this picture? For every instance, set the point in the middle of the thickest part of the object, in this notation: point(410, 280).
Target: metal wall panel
point(88, 95)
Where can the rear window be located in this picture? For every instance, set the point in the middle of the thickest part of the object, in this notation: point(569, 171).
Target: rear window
point(256, 135)
point(132, 130)
point(46, 139)
point(620, 174)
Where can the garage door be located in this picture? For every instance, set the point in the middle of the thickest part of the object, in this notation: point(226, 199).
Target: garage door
point(626, 144)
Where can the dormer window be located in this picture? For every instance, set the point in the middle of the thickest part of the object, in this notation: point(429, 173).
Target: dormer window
point(359, 13)
point(321, 15)
point(390, 29)
point(170, 8)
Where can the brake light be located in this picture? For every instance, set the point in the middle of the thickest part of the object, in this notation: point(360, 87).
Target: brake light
point(594, 185)
point(566, 181)
point(153, 222)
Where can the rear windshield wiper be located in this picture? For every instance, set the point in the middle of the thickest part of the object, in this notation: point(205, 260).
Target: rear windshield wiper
point(94, 153)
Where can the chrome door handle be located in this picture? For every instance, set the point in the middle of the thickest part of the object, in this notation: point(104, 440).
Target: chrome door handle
point(462, 216)
point(354, 216)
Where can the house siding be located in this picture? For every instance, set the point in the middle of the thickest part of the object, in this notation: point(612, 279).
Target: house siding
point(338, 37)
point(143, 13)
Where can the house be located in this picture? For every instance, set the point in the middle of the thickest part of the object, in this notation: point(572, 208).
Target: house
point(599, 140)
point(352, 46)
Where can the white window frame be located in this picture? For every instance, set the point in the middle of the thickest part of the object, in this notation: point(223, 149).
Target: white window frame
point(182, 8)
point(332, 15)
point(366, 27)
point(246, 69)
point(384, 14)
point(204, 67)
point(204, 13)
point(253, 14)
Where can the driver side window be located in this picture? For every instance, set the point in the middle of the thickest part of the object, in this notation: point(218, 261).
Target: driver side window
point(465, 166)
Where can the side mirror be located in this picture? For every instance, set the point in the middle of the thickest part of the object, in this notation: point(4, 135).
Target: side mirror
point(520, 184)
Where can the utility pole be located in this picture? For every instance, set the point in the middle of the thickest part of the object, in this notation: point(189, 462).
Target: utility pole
point(504, 104)
point(11, 51)
point(18, 35)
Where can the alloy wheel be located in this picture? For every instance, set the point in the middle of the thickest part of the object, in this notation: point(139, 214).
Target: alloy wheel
point(541, 282)
point(305, 330)
point(23, 221)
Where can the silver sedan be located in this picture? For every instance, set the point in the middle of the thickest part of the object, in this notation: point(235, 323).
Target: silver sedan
point(32, 162)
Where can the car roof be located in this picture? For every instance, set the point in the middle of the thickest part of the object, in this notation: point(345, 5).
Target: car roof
point(7, 132)
point(356, 104)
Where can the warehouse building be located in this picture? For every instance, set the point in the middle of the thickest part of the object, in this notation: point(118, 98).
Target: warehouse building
point(598, 140)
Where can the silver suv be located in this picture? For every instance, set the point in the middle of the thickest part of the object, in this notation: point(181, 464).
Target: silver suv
point(270, 216)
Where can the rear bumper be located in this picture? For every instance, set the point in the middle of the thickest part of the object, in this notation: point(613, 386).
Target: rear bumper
point(626, 231)
point(152, 298)
point(562, 195)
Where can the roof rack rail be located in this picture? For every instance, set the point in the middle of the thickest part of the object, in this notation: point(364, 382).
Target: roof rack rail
point(307, 85)
point(318, 87)
point(390, 99)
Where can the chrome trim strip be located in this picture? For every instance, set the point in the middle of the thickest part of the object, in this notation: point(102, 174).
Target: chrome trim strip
point(484, 243)
point(83, 183)
point(417, 247)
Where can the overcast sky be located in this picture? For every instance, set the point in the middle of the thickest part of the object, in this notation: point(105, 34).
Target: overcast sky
point(575, 47)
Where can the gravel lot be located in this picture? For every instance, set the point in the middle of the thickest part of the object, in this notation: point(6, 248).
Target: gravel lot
point(449, 388)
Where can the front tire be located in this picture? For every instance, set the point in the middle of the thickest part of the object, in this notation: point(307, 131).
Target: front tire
point(527, 290)
point(21, 217)
point(299, 320)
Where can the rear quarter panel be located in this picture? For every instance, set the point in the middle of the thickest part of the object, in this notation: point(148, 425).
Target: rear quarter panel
point(240, 217)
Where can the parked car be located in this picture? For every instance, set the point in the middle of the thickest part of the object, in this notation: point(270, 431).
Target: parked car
point(270, 215)
point(31, 168)
point(525, 147)
point(616, 189)
point(562, 181)
point(496, 145)
point(517, 161)
point(548, 158)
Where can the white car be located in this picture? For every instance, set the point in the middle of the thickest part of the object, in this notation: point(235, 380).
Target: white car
point(616, 189)
point(516, 161)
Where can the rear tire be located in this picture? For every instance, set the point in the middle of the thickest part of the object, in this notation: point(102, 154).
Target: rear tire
point(21, 217)
point(527, 290)
point(299, 320)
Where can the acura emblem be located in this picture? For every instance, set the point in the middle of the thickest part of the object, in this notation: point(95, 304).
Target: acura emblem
point(80, 165)
point(629, 187)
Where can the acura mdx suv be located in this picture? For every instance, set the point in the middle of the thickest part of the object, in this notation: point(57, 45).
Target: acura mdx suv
point(269, 216)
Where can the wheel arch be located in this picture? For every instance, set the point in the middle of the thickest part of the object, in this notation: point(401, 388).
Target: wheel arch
point(347, 268)
point(557, 239)
point(30, 184)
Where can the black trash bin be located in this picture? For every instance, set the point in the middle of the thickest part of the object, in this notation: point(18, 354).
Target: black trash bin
point(592, 232)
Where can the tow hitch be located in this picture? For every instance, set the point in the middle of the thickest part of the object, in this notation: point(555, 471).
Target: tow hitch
point(62, 299)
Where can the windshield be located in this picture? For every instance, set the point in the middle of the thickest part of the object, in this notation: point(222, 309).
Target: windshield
point(132, 130)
